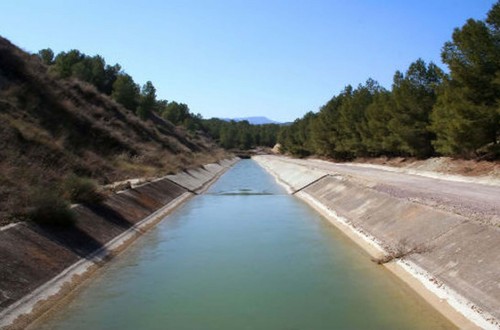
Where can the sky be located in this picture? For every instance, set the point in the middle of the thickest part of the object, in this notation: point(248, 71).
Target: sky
point(240, 58)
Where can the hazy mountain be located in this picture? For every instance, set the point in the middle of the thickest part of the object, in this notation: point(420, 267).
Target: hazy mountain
point(258, 120)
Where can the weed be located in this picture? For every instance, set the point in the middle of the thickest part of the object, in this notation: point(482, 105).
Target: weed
point(401, 250)
point(81, 190)
point(49, 208)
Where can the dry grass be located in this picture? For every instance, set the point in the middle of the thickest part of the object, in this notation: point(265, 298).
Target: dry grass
point(51, 129)
point(402, 249)
point(81, 190)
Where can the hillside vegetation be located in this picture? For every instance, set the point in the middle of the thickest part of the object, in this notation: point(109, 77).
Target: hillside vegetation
point(426, 113)
point(59, 135)
point(121, 87)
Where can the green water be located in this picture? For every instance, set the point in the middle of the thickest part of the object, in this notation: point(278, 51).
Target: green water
point(245, 256)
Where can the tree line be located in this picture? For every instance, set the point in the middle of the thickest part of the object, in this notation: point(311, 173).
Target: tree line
point(241, 134)
point(114, 82)
point(120, 86)
point(427, 112)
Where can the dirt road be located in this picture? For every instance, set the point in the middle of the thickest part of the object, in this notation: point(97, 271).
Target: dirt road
point(479, 202)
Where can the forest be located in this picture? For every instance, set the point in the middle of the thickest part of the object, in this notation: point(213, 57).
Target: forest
point(427, 112)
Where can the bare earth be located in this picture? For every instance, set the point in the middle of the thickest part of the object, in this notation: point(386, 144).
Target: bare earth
point(478, 201)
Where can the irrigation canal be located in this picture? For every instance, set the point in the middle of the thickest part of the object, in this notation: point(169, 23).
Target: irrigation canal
point(244, 255)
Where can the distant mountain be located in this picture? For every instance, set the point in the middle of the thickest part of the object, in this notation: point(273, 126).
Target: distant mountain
point(254, 120)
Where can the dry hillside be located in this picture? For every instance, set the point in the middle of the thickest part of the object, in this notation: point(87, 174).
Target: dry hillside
point(53, 129)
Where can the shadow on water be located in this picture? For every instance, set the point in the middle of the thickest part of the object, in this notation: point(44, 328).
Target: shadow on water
point(242, 192)
point(245, 179)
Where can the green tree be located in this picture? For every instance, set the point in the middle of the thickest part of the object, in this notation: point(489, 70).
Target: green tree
point(378, 114)
point(126, 92)
point(47, 56)
point(64, 62)
point(229, 136)
point(352, 125)
point(466, 117)
point(147, 100)
point(414, 95)
point(296, 138)
point(111, 73)
point(176, 113)
point(324, 130)
point(91, 70)
point(244, 136)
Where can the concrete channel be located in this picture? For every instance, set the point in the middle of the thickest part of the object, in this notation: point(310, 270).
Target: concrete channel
point(454, 265)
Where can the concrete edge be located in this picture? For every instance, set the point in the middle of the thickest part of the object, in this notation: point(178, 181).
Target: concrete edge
point(276, 177)
point(217, 175)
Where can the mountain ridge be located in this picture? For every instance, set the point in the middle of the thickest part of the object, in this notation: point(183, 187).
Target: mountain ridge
point(254, 120)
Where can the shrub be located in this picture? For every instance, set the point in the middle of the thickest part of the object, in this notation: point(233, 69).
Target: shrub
point(49, 208)
point(81, 190)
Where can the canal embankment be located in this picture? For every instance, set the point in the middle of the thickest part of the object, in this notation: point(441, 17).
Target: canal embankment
point(451, 259)
point(243, 255)
point(41, 264)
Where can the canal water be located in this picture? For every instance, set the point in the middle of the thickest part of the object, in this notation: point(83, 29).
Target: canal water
point(245, 255)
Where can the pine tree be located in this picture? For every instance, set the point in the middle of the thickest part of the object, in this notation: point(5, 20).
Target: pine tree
point(414, 95)
point(126, 92)
point(466, 118)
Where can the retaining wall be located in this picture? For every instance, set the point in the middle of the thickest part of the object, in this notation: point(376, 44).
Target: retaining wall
point(461, 262)
point(36, 261)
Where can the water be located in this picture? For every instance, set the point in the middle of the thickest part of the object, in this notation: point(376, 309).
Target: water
point(245, 256)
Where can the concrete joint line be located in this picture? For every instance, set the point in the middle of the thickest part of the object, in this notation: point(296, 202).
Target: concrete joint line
point(310, 184)
point(178, 185)
point(435, 238)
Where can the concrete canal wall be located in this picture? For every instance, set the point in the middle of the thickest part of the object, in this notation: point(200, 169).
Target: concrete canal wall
point(456, 259)
point(39, 264)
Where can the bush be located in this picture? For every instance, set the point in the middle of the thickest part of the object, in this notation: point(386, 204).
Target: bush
point(48, 208)
point(81, 190)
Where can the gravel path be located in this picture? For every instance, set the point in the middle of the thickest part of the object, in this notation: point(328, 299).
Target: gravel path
point(479, 202)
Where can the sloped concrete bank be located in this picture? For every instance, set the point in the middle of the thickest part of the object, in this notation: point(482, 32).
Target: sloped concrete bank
point(39, 264)
point(456, 266)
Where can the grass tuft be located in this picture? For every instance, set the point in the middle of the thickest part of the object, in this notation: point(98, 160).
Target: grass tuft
point(49, 208)
point(81, 190)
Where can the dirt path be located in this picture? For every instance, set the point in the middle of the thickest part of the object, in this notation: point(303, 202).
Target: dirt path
point(479, 202)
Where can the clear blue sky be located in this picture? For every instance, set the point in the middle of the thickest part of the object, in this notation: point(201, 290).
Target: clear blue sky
point(240, 58)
